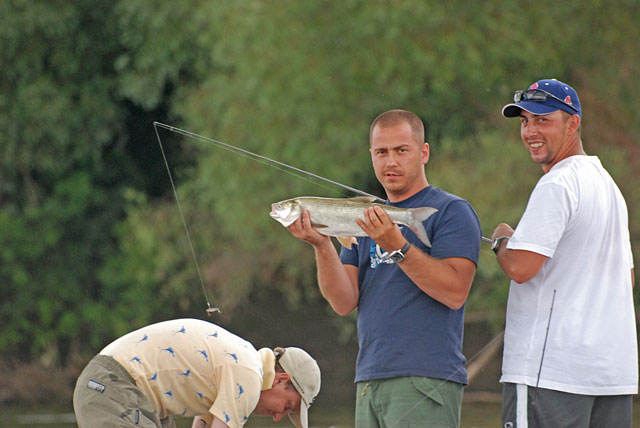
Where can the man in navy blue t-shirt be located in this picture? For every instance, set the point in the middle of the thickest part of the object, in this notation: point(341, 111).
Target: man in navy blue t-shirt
point(410, 367)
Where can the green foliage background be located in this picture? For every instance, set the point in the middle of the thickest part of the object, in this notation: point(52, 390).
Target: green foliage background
point(91, 241)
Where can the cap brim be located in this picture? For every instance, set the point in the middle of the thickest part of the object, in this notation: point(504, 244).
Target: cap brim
point(533, 107)
point(300, 419)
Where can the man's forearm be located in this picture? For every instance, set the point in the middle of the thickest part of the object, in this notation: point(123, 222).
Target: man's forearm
point(445, 280)
point(335, 284)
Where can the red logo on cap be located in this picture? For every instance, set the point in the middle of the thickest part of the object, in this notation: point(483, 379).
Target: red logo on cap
point(568, 100)
point(534, 86)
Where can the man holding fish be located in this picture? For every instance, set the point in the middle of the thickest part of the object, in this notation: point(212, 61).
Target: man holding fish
point(408, 283)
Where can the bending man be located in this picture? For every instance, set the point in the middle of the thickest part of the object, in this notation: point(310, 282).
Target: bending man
point(191, 367)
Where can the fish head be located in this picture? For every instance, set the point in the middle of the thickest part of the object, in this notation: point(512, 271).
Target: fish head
point(286, 212)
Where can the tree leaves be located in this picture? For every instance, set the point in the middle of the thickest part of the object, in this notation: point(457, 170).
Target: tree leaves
point(90, 237)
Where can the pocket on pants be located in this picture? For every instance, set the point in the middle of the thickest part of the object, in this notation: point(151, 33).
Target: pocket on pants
point(429, 387)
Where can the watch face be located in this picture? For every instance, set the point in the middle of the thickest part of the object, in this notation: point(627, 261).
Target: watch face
point(396, 256)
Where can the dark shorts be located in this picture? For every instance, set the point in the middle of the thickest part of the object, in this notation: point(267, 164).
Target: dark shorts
point(528, 407)
point(404, 402)
point(106, 396)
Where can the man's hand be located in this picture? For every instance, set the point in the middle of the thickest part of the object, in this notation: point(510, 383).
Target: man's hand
point(302, 229)
point(519, 265)
point(503, 229)
point(378, 225)
point(202, 422)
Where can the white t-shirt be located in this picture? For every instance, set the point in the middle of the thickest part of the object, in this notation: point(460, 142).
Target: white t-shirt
point(577, 217)
point(192, 367)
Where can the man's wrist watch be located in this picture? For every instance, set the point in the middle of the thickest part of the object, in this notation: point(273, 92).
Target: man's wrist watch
point(398, 255)
point(495, 245)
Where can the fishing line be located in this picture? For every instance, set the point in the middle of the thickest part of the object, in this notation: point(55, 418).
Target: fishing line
point(291, 170)
point(209, 309)
point(266, 161)
point(271, 162)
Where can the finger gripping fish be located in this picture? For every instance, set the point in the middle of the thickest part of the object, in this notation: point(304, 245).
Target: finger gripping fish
point(337, 216)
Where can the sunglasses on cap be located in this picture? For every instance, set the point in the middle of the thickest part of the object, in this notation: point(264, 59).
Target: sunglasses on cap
point(538, 95)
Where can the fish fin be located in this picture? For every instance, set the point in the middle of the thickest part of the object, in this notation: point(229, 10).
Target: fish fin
point(364, 199)
point(347, 241)
point(419, 215)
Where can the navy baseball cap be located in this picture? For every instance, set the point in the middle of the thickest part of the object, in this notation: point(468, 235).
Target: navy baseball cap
point(543, 97)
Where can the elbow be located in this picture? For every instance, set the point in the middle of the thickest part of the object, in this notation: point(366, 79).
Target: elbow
point(457, 300)
point(518, 272)
point(521, 265)
point(456, 303)
point(519, 280)
point(341, 305)
point(342, 310)
point(520, 276)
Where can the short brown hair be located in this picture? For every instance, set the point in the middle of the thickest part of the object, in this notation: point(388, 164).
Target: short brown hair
point(397, 116)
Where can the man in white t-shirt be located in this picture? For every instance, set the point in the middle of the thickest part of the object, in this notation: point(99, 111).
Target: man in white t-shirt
point(570, 354)
point(191, 367)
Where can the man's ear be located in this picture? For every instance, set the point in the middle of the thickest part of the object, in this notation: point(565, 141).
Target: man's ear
point(281, 377)
point(425, 153)
point(574, 122)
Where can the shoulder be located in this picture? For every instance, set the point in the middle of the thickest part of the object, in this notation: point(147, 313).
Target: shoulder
point(449, 204)
point(572, 170)
point(435, 197)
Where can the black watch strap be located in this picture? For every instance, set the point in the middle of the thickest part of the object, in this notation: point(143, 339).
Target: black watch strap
point(496, 243)
point(397, 256)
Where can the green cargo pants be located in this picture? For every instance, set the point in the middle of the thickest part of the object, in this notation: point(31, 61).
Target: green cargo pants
point(106, 396)
point(404, 402)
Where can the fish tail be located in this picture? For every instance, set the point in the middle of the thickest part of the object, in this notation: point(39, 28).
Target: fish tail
point(419, 215)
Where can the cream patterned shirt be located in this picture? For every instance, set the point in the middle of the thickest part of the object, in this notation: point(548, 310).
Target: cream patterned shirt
point(192, 367)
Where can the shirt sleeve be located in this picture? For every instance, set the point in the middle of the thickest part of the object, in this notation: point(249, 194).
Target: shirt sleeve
point(544, 220)
point(238, 394)
point(458, 233)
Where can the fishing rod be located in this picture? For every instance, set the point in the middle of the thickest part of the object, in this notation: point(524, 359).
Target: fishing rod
point(263, 159)
point(285, 168)
point(269, 161)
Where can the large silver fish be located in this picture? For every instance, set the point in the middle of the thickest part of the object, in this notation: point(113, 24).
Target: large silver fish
point(337, 217)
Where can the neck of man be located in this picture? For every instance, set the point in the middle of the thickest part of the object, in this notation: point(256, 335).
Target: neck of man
point(573, 149)
point(401, 196)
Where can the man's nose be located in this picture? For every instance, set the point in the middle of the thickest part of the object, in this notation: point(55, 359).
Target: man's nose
point(391, 159)
point(279, 416)
point(529, 130)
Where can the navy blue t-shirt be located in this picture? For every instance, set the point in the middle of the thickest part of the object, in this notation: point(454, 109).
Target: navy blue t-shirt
point(401, 330)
